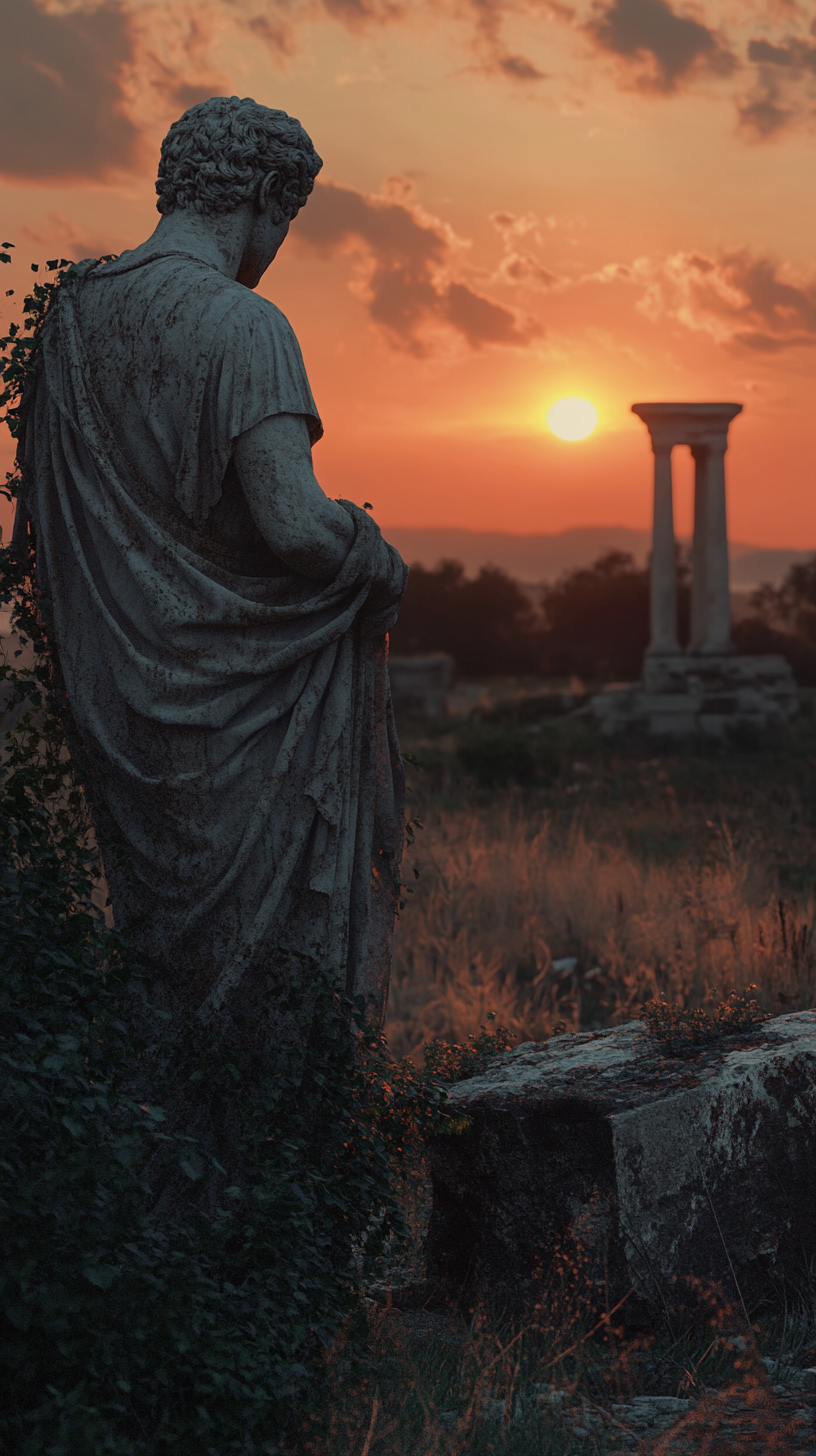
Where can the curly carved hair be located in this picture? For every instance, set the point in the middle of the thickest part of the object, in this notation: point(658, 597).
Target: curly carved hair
point(214, 157)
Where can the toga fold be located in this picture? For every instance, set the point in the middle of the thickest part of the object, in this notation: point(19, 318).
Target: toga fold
point(246, 777)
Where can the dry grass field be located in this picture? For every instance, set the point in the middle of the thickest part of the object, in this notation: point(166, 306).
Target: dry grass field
point(619, 874)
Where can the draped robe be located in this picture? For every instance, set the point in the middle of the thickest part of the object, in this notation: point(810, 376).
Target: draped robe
point(246, 779)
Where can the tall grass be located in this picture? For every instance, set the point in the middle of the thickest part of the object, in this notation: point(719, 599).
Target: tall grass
point(443, 1384)
point(508, 893)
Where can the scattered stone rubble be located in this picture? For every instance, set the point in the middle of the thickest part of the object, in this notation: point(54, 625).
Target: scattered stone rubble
point(665, 1181)
point(772, 1412)
point(720, 1423)
point(752, 1421)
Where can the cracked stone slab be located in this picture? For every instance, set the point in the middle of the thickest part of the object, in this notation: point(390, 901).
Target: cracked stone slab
point(596, 1158)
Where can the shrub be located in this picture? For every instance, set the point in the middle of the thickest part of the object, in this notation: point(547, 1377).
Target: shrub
point(446, 1063)
point(494, 756)
point(756, 636)
point(682, 1031)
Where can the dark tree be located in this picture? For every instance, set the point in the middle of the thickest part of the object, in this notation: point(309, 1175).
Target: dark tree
point(488, 625)
point(597, 617)
point(754, 635)
point(792, 608)
point(793, 603)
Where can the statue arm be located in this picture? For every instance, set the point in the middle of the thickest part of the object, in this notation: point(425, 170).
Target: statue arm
point(304, 528)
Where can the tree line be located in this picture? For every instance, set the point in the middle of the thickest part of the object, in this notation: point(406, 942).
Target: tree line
point(592, 622)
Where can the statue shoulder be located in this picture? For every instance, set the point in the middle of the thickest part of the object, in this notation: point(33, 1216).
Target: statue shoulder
point(255, 310)
point(261, 326)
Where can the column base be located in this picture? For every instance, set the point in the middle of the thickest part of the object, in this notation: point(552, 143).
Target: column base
point(672, 653)
point(725, 649)
point(697, 693)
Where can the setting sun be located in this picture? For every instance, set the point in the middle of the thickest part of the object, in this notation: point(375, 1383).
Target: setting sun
point(572, 418)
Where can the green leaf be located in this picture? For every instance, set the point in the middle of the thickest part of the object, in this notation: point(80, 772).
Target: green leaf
point(155, 1113)
point(192, 1165)
point(102, 1275)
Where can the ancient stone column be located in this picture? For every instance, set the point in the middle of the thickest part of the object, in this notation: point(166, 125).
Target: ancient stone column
point(718, 597)
point(663, 577)
point(699, 555)
point(704, 427)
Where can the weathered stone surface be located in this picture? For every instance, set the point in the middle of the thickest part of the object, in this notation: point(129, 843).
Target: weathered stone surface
point(667, 1177)
point(701, 695)
point(220, 623)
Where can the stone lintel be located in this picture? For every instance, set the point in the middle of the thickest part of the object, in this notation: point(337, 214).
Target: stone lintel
point(672, 424)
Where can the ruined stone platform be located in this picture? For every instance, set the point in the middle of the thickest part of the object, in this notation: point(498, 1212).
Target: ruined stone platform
point(688, 694)
point(661, 1179)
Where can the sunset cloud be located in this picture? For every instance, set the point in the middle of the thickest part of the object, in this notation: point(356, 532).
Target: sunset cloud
point(783, 87)
point(736, 298)
point(519, 268)
point(355, 13)
point(408, 267)
point(488, 18)
point(61, 103)
point(83, 85)
point(662, 47)
point(523, 270)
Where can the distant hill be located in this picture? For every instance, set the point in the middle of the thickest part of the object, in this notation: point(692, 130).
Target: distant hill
point(751, 565)
point(543, 558)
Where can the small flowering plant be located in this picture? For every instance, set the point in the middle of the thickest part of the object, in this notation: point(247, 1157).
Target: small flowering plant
point(682, 1031)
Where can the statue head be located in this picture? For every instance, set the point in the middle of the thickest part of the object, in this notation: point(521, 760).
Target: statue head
point(215, 157)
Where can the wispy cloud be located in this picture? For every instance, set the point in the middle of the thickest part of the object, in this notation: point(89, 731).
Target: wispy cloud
point(783, 86)
point(738, 298)
point(488, 18)
point(519, 267)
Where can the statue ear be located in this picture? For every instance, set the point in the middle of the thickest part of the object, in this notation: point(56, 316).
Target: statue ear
point(264, 196)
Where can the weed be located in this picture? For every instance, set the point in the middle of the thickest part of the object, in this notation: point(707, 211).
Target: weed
point(446, 1063)
point(682, 1031)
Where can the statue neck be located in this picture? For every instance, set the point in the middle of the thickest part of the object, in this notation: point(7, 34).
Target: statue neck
point(220, 241)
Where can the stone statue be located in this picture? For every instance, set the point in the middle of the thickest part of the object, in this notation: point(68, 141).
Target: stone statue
point(221, 625)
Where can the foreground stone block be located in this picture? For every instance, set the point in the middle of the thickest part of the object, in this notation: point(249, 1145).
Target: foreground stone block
point(667, 1177)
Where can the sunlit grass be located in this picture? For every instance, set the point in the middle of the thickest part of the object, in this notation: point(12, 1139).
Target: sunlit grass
point(625, 879)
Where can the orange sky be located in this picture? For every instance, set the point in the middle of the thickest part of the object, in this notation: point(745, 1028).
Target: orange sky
point(521, 199)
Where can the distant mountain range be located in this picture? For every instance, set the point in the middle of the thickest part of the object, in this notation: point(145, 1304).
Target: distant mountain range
point(543, 558)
